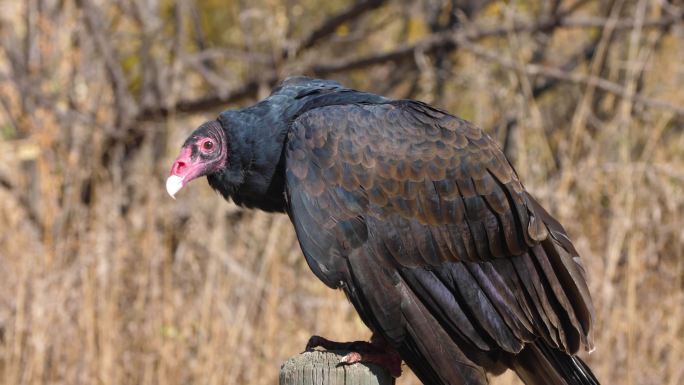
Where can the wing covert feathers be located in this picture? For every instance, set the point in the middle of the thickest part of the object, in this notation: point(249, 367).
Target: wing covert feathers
point(421, 219)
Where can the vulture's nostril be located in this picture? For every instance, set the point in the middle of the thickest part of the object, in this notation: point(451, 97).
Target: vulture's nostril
point(180, 166)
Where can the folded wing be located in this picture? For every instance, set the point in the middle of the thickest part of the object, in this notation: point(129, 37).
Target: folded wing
point(424, 223)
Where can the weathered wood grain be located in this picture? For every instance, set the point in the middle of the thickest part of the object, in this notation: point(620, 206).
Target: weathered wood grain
point(322, 368)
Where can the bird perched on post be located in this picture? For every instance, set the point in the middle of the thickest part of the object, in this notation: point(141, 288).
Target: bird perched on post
point(419, 218)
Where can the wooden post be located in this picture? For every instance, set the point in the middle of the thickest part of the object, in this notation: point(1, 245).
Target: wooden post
point(322, 368)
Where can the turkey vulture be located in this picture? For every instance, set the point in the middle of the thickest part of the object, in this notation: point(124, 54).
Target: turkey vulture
point(419, 218)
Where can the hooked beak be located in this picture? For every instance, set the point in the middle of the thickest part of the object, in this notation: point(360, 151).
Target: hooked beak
point(173, 185)
point(184, 170)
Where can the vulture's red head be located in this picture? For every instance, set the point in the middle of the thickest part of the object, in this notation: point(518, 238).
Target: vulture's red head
point(203, 153)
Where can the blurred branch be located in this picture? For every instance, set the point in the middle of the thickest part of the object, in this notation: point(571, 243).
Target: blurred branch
point(220, 53)
point(435, 41)
point(599, 22)
point(443, 39)
point(23, 202)
point(248, 90)
point(510, 120)
point(543, 39)
point(584, 54)
point(152, 88)
point(177, 53)
point(571, 77)
point(331, 24)
point(123, 100)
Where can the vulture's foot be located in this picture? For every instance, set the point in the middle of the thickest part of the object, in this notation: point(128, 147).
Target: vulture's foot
point(388, 360)
point(376, 351)
point(321, 342)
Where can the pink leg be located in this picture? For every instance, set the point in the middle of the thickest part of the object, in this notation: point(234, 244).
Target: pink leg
point(388, 360)
point(377, 351)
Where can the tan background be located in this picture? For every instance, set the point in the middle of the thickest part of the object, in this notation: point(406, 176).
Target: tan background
point(106, 280)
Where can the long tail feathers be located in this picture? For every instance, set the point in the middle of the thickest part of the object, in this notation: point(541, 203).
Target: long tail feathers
point(539, 364)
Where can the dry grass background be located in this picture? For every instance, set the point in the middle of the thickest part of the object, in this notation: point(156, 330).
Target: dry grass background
point(105, 280)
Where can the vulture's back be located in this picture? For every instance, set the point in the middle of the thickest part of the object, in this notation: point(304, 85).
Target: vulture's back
point(421, 220)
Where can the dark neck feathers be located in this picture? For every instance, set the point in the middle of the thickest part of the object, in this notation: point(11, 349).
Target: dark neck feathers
point(255, 176)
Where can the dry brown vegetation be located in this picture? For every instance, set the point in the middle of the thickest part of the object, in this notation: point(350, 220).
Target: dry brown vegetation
point(106, 280)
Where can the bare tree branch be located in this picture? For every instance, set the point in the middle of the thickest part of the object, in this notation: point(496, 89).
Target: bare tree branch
point(248, 90)
point(408, 51)
point(510, 120)
point(124, 101)
point(251, 87)
point(571, 77)
point(443, 39)
point(329, 26)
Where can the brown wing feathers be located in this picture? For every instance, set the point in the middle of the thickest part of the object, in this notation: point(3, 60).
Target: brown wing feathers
point(432, 208)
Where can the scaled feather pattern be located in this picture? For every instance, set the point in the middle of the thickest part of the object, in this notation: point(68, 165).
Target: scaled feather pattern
point(420, 219)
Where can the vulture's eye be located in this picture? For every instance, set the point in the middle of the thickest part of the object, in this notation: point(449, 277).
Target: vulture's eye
point(208, 145)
